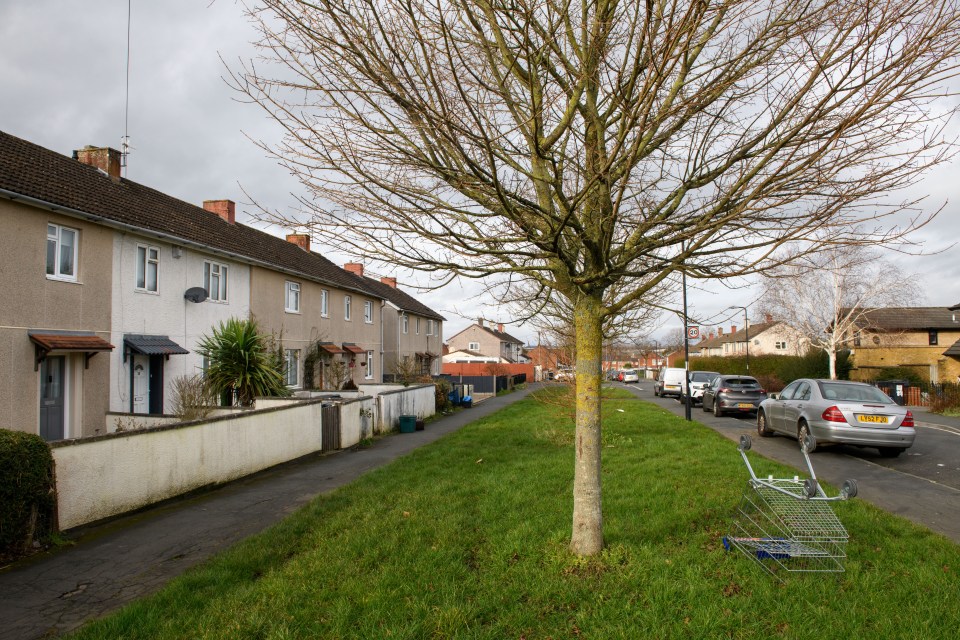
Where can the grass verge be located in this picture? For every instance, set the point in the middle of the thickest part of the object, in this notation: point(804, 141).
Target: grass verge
point(467, 538)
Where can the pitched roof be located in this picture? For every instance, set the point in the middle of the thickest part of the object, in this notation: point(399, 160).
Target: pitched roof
point(57, 182)
point(739, 336)
point(907, 318)
point(402, 300)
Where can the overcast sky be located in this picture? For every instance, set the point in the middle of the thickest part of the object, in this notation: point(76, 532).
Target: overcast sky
point(63, 71)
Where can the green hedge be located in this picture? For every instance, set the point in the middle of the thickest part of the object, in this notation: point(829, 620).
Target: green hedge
point(773, 371)
point(26, 488)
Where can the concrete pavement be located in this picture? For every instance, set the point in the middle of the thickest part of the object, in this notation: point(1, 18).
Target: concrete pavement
point(134, 556)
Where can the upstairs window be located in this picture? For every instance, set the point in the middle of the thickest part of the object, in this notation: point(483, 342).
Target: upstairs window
point(406, 324)
point(148, 268)
point(368, 312)
point(473, 346)
point(324, 303)
point(292, 298)
point(346, 307)
point(417, 325)
point(429, 327)
point(933, 338)
point(61, 252)
point(215, 281)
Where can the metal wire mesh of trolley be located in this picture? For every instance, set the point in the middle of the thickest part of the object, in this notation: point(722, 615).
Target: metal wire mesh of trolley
point(788, 523)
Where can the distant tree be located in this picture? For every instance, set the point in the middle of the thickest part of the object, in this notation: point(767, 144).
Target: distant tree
point(595, 150)
point(825, 296)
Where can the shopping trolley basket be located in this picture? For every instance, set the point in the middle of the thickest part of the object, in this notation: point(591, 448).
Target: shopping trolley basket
point(787, 523)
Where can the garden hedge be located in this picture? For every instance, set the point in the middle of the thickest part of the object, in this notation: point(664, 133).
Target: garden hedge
point(26, 491)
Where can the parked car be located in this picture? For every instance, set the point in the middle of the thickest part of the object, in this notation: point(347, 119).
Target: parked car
point(699, 380)
point(630, 375)
point(564, 375)
point(669, 382)
point(838, 411)
point(733, 394)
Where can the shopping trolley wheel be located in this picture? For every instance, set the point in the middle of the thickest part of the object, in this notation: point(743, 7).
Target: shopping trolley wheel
point(745, 442)
point(810, 487)
point(849, 488)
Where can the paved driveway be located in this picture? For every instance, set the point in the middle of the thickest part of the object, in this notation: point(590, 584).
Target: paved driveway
point(922, 485)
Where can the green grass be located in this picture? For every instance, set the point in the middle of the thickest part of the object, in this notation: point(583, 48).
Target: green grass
point(467, 538)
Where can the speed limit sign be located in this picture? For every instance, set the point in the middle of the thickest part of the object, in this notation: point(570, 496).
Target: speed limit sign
point(693, 332)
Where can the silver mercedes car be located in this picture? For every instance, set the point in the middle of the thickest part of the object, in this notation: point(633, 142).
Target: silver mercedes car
point(837, 411)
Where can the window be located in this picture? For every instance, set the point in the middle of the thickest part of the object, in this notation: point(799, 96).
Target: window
point(781, 345)
point(429, 327)
point(291, 367)
point(417, 325)
point(291, 302)
point(61, 252)
point(369, 372)
point(215, 281)
point(406, 324)
point(148, 268)
point(346, 307)
point(368, 311)
point(933, 338)
point(473, 346)
point(324, 303)
point(856, 338)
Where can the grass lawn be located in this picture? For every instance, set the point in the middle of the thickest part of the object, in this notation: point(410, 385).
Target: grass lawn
point(467, 538)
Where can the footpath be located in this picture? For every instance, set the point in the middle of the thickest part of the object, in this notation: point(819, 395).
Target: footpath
point(134, 556)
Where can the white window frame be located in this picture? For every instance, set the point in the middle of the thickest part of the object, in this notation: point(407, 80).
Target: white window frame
point(55, 235)
point(417, 326)
point(429, 327)
point(406, 324)
point(291, 297)
point(143, 263)
point(346, 307)
point(291, 367)
point(473, 346)
point(368, 311)
point(221, 272)
point(324, 303)
point(369, 371)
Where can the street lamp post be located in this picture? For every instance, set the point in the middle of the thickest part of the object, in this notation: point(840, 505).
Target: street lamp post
point(746, 333)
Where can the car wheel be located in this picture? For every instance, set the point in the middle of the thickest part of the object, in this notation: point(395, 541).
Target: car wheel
point(717, 411)
point(802, 434)
point(891, 452)
point(762, 429)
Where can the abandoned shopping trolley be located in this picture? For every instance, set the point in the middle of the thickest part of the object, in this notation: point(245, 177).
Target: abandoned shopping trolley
point(787, 523)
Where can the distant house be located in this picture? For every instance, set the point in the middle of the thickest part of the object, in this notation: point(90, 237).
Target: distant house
point(923, 339)
point(765, 338)
point(488, 341)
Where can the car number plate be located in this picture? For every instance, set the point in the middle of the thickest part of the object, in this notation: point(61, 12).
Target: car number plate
point(874, 419)
point(744, 405)
point(673, 386)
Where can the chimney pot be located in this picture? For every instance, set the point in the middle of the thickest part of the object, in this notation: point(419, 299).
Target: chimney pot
point(226, 209)
point(355, 268)
point(390, 282)
point(302, 240)
point(103, 158)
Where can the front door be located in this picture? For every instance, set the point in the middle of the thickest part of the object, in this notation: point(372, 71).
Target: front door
point(52, 379)
point(141, 384)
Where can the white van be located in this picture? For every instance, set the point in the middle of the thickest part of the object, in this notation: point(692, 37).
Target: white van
point(670, 382)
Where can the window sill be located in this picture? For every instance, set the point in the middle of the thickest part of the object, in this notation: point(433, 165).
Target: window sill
point(61, 279)
point(147, 291)
point(295, 311)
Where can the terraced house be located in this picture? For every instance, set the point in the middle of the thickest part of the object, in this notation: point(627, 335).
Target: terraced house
point(109, 285)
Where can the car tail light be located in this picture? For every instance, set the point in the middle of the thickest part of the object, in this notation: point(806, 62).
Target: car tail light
point(723, 390)
point(907, 420)
point(833, 414)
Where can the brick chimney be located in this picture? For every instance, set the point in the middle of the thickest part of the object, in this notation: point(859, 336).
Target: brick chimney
point(390, 282)
point(768, 318)
point(355, 268)
point(103, 158)
point(500, 327)
point(719, 331)
point(733, 328)
point(302, 240)
point(226, 209)
point(480, 321)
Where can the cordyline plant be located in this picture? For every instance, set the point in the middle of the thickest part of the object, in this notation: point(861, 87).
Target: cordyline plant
point(240, 362)
point(592, 150)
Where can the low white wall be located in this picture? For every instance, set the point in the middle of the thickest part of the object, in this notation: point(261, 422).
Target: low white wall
point(112, 474)
point(415, 400)
point(356, 420)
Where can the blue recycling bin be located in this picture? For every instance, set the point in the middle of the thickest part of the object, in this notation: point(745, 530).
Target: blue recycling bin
point(467, 401)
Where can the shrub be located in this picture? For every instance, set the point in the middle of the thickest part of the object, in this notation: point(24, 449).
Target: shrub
point(26, 491)
point(241, 362)
point(947, 400)
point(193, 399)
point(442, 390)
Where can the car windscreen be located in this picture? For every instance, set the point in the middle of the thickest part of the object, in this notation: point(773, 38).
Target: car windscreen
point(853, 393)
point(740, 382)
point(701, 376)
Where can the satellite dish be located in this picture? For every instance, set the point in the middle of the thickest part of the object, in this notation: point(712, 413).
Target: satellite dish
point(195, 294)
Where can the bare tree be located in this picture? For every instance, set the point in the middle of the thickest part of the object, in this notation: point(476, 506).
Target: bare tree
point(589, 147)
point(825, 296)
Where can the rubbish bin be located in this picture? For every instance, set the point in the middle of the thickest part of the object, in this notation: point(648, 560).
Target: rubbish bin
point(896, 389)
point(467, 401)
point(408, 424)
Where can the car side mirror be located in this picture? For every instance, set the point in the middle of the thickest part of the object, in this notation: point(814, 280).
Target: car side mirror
point(774, 396)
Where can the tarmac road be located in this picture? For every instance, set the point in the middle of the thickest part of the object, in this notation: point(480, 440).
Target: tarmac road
point(922, 485)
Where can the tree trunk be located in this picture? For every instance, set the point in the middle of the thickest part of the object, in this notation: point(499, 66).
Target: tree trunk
point(832, 357)
point(587, 537)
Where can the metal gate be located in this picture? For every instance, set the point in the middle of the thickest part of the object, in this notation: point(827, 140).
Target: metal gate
point(330, 427)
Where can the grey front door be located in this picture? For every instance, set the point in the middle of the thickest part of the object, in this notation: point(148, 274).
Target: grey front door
point(51, 397)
